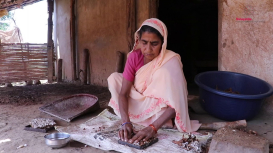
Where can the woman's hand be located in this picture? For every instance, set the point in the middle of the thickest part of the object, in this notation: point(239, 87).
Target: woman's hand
point(144, 134)
point(148, 132)
point(125, 133)
point(127, 129)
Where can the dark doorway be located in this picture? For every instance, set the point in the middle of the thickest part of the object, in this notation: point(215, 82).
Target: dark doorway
point(192, 33)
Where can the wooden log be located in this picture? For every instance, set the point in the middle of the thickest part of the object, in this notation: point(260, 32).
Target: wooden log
point(36, 82)
point(73, 39)
point(33, 77)
point(29, 82)
point(14, 49)
point(21, 75)
point(12, 44)
point(19, 62)
point(50, 41)
point(119, 63)
point(85, 65)
point(32, 57)
point(219, 125)
point(8, 84)
point(60, 70)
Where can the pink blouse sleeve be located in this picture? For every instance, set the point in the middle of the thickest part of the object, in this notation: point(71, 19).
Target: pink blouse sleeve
point(130, 70)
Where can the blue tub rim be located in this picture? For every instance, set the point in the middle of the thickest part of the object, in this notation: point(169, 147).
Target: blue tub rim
point(239, 96)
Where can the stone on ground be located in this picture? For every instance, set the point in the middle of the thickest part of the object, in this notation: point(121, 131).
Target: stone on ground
point(227, 140)
point(8, 85)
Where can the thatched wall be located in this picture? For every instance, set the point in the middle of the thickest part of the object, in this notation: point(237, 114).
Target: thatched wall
point(23, 61)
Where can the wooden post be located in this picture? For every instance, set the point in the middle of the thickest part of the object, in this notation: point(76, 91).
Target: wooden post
point(60, 70)
point(72, 38)
point(85, 65)
point(50, 41)
point(119, 63)
point(153, 8)
point(131, 22)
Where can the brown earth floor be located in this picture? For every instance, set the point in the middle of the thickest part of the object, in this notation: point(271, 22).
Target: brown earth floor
point(18, 105)
point(47, 93)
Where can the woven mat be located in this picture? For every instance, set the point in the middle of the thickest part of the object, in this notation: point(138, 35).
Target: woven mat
point(102, 132)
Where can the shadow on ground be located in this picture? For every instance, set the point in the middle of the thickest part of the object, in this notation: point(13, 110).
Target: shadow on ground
point(47, 93)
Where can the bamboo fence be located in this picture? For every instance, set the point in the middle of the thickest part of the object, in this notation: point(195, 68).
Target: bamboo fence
point(23, 61)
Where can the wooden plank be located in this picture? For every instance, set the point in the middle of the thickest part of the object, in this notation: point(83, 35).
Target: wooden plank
point(13, 64)
point(12, 44)
point(7, 49)
point(31, 49)
point(21, 69)
point(15, 61)
point(32, 57)
point(11, 77)
point(21, 72)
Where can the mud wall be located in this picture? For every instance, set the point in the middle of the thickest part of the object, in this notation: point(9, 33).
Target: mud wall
point(245, 39)
point(61, 36)
point(142, 12)
point(100, 28)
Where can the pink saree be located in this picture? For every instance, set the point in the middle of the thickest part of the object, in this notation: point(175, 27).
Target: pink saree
point(158, 84)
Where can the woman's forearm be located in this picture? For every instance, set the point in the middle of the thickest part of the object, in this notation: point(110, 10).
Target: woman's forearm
point(166, 116)
point(123, 108)
point(123, 100)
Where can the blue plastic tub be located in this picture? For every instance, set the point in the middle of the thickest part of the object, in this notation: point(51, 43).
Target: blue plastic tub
point(230, 106)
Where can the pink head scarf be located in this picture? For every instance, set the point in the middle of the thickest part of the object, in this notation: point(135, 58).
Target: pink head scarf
point(162, 29)
point(145, 73)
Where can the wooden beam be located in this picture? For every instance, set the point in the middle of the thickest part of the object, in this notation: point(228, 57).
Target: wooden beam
point(50, 41)
point(131, 22)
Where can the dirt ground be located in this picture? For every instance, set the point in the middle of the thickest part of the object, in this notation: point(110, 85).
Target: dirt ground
point(47, 93)
point(20, 104)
